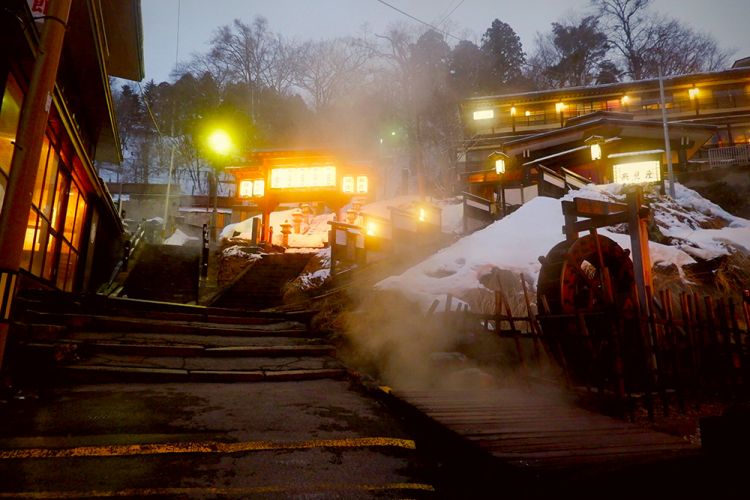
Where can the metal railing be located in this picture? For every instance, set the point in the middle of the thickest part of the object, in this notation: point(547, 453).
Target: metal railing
point(130, 246)
point(729, 156)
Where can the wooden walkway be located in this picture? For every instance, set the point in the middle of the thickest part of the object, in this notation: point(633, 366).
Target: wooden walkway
point(541, 430)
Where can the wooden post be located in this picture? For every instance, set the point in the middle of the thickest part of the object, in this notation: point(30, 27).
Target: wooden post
point(657, 352)
point(639, 245)
point(673, 344)
point(533, 325)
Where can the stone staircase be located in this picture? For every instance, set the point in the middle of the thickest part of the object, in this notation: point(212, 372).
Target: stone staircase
point(262, 285)
point(97, 339)
point(165, 273)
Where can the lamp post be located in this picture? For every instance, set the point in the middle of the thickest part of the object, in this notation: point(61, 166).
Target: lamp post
point(595, 143)
point(221, 145)
point(498, 160)
point(694, 93)
point(559, 108)
point(665, 126)
point(513, 118)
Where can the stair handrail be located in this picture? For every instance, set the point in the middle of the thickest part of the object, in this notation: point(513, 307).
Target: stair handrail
point(131, 245)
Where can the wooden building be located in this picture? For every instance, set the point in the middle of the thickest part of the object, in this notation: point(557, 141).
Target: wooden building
point(58, 226)
point(545, 138)
point(267, 178)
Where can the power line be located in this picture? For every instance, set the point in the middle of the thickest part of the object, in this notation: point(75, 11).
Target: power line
point(449, 14)
point(419, 20)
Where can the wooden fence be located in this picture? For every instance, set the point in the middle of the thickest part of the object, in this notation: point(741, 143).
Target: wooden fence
point(683, 351)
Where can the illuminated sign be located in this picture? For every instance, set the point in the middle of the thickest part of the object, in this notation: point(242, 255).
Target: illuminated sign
point(252, 188)
point(484, 114)
point(347, 184)
point(362, 184)
point(246, 189)
point(637, 172)
point(259, 187)
point(303, 177)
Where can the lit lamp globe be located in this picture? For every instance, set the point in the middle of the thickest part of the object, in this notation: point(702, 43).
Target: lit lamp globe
point(220, 142)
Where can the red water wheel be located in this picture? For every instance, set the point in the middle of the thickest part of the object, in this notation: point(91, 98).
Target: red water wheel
point(573, 280)
point(572, 277)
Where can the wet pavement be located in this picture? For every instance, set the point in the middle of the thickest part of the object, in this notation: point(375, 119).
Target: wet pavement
point(302, 439)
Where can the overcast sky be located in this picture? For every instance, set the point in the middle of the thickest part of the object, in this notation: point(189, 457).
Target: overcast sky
point(315, 19)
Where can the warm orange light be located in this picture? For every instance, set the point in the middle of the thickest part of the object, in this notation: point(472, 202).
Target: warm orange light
point(527, 113)
point(422, 215)
point(693, 93)
point(484, 114)
point(362, 184)
point(371, 228)
point(559, 107)
point(625, 100)
point(347, 184)
point(499, 166)
point(259, 187)
point(303, 177)
point(596, 152)
point(512, 111)
point(637, 172)
point(246, 189)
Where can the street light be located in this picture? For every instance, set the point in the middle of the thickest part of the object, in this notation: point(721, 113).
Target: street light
point(499, 159)
point(513, 117)
point(595, 145)
point(693, 93)
point(559, 108)
point(220, 143)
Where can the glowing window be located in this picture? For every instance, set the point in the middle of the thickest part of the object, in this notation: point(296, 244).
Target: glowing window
point(246, 189)
point(362, 184)
point(347, 184)
point(259, 187)
point(484, 114)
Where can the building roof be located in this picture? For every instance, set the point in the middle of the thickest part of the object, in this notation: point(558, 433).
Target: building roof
point(611, 125)
point(611, 88)
point(742, 63)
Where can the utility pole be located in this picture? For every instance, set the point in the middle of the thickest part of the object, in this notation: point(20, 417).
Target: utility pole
point(668, 149)
point(27, 149)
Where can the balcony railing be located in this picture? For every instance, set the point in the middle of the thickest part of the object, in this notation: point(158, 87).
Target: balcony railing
point(730, 156)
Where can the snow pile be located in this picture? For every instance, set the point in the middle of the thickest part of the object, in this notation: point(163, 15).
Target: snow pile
point(179, 238)
point(240, 252)
point(696, 228)
point(451, 208)
point(313, 231)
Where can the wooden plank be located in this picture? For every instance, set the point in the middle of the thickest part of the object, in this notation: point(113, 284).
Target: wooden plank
point(541, 429)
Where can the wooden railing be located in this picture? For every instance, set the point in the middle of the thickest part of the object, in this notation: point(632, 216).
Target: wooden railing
point(684, 351)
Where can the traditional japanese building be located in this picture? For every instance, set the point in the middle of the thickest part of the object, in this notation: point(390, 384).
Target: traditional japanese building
point(516, 146)
point(59, 228)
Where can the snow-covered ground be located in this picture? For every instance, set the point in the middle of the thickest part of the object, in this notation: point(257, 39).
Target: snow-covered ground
point(516, 242)
point(696, 228)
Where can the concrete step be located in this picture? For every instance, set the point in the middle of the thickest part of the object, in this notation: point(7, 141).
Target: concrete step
point(96, 374)
point(85, 322)
point(88, 348)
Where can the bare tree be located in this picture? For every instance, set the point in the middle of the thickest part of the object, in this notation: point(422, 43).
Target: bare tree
point(646, 40)
point(332, 69)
